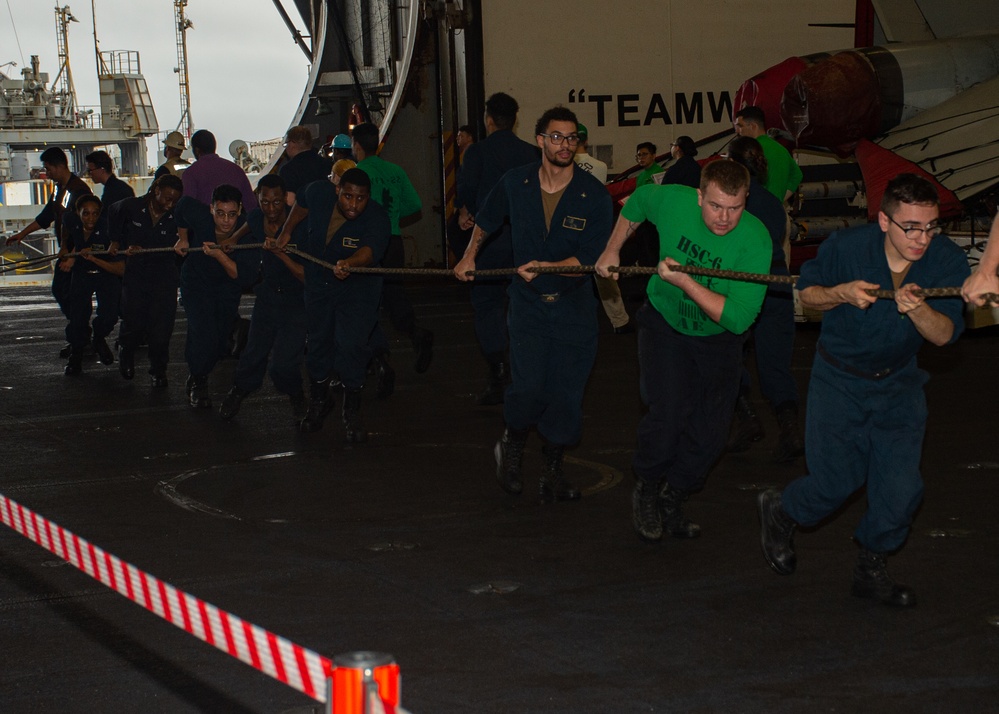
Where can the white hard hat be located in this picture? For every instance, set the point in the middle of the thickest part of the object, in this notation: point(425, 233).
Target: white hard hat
point(175, 140)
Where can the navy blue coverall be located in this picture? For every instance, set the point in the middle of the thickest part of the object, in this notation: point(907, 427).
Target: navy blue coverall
point(773, 331)
point(341, 314)
point(552, 320)
point(88, 280)
point(149, 287)
point(866, 413)
point(277, 325)
point(482, 167)
point(211, 297)
point(64, 200)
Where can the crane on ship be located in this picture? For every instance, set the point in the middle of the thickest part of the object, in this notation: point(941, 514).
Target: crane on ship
point(182, 23)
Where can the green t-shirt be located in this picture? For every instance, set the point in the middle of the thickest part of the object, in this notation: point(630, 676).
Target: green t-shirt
point(645, 178)
point(684, 237)
point(783, 172)
point(391, 188)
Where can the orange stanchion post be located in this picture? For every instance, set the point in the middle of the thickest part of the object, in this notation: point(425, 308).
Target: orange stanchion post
point(363, 683)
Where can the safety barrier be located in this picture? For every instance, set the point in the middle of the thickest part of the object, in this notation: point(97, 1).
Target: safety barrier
point(354, 683)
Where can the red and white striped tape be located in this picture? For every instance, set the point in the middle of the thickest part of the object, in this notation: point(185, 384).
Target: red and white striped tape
point(275, 656)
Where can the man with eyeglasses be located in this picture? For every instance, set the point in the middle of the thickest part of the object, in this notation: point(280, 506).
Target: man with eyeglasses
point(559, 217)
point(645, 156)
point(866, 407)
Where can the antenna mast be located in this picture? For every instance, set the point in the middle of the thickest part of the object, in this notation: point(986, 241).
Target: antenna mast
point(101, 67)
point(67, 92)
point(182, 25)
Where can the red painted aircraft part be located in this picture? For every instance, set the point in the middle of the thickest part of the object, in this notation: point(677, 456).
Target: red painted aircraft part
point(766, 88)
point(879, 166)
point(834, 102)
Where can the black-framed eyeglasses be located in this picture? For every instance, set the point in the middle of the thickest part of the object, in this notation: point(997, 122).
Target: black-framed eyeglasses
point(559, 139)
point(912, 232)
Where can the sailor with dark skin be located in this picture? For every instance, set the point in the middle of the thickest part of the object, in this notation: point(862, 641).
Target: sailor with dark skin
point(348, 229)
point(91, 275)
point(277, 326)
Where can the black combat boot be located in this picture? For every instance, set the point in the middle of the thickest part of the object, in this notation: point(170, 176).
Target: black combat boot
point(671, 502)
point(230, 405)
point(103, 351)
point(75, 363)
point(126, 362)
point(554, 487)
point(746, 427)
point(871, 580)
point(499, 375)
point(509, 453)
point(320, 404)
point(385, 375)
point(790, 443)
point(200, 397)
point(645, 512)
point(158, 379)
point(776, 533)
point(355, 431)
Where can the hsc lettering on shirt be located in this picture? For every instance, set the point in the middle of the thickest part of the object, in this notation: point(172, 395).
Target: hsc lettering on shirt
point(699, 256)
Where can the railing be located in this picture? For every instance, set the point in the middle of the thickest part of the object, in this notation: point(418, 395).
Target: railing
point(53, 116)
point(120, 62)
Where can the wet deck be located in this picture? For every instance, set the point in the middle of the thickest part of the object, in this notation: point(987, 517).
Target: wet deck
point(490, 604)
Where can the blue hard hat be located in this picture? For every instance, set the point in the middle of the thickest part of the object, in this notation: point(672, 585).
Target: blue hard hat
point(341, 141)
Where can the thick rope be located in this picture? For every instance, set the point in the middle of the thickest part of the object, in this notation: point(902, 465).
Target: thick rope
point(626, 270)
point(31, 262)
point(558, 270)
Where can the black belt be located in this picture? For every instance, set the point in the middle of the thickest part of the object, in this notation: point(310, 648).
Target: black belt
point(873, 376)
